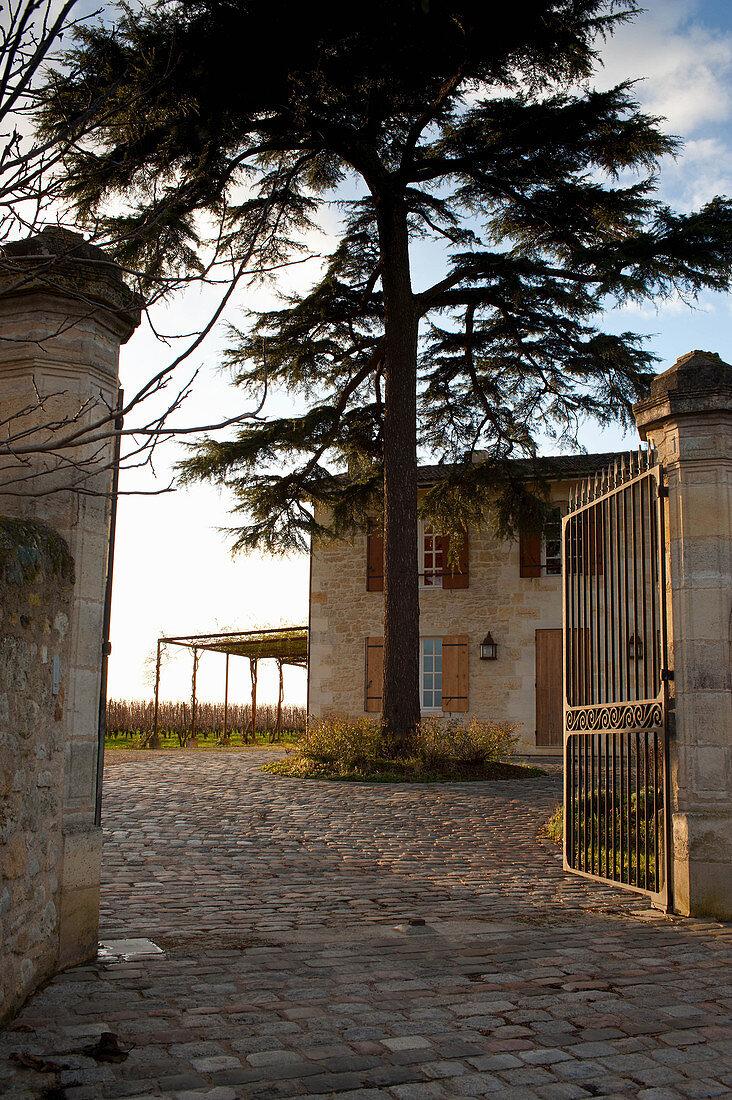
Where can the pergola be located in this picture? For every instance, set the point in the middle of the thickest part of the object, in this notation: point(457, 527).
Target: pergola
point(287, 645)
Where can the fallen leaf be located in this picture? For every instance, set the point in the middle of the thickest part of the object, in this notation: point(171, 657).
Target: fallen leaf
point(41, 1065)
point(106, 1049)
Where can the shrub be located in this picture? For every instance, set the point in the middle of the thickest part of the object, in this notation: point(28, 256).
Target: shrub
point(439, 744)
point(554, 827)
point(342, 745)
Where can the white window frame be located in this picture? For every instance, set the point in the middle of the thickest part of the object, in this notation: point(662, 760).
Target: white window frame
point(422, 674)
point(426, 530)
point(556, 560)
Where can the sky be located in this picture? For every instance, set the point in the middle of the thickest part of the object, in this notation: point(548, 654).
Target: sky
point(173, 571)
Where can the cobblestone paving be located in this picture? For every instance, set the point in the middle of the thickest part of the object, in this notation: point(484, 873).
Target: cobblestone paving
point(289, 968)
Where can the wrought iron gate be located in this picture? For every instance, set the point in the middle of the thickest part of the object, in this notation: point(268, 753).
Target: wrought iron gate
point(616, 679)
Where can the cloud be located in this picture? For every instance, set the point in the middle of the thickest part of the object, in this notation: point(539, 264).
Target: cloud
point(703, 171)
point(684, 72)
point(685, 67)
point(673, 306)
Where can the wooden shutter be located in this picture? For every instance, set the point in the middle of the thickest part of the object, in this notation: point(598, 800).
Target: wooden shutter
point(374, 560)
point(549, 698)
point(530, 552)
point(374, 678)
point(455, 673)
point(460, 577)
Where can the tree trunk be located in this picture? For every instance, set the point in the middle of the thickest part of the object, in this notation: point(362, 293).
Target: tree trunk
point(400, 706)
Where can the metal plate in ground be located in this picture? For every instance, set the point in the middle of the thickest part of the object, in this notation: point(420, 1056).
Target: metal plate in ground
point(127, 949)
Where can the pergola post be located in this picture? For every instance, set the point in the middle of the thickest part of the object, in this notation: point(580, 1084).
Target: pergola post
point(280, 696)
point(196, 659)
point(155, 739)
point(253, 674)
point(226, 701)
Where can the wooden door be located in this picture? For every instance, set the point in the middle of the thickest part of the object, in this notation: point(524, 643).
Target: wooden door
point(549, 708)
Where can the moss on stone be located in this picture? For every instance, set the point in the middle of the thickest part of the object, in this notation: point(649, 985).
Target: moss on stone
point(27, 547)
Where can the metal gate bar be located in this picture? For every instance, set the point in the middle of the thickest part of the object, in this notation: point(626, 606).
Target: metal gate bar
point(616, 771)
point(609, 835)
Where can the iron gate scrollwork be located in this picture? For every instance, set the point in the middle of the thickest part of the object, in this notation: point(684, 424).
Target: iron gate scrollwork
point(615, 679)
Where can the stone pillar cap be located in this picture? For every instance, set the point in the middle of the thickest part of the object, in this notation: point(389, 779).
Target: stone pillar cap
point(698, 382)
point(59, 262)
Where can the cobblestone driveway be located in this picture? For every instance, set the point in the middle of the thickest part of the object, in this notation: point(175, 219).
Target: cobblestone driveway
point(289, 968)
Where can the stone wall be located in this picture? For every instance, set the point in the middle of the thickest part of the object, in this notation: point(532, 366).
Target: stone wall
point(343, 614)
point(64, 311)
point(36, 591)
point(688, 417)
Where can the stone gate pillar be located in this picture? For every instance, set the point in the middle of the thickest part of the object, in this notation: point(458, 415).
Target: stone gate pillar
point(688, 418)
point(64, 311)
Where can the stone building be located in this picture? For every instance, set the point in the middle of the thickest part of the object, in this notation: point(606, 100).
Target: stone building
point(511, 591)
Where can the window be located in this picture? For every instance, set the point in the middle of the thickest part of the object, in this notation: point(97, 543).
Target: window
point(443, 674)
point(541, 553)
point(431, 557)
point(430, 679)
point(551, 550)
point(434, 565)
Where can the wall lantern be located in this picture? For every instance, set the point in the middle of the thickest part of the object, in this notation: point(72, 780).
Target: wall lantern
point(635, 648)
point(488, 648)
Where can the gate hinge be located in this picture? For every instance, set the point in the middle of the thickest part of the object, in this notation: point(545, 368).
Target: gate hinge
point(667, 674)
point(662, 490)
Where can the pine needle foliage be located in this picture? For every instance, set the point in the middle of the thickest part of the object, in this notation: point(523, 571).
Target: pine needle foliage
point(444, 123)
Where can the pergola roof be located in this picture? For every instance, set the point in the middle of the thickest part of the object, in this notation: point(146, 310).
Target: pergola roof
point(288, 644)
